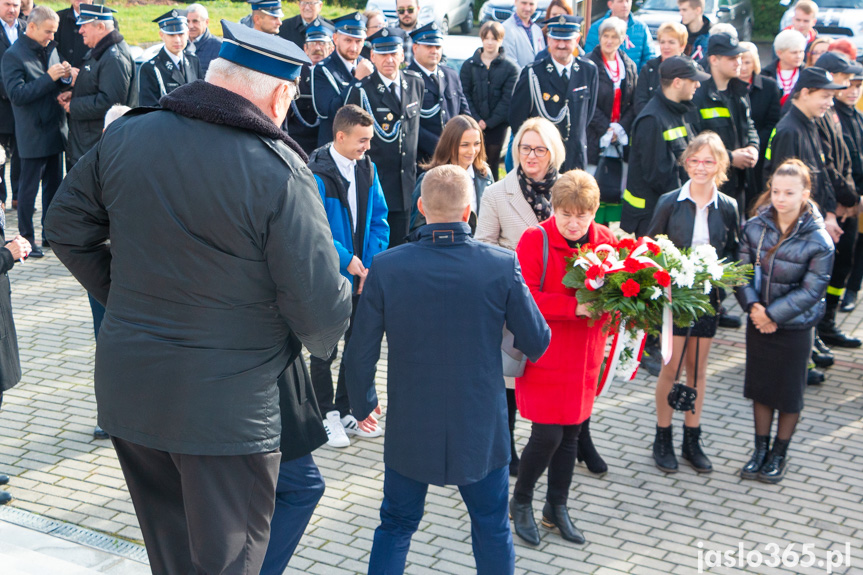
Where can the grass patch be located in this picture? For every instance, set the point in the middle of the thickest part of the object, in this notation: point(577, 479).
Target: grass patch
point(136, 21)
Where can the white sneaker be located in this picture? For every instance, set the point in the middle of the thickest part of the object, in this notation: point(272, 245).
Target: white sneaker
point(336, 436)
point(351, 427)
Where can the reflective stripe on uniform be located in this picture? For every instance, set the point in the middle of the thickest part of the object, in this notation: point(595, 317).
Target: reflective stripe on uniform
point(633, 201)
point(769, 143)
point(838, 292)
point(710, 113)
point(674, 133)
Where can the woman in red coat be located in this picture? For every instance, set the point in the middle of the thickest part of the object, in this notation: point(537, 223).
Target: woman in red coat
point(557, 392)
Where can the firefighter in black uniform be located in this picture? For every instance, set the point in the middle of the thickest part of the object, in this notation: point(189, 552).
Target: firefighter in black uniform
point(340, 70)
point(660, 134)
point(393, 98)
point(560, 88)
point(172, 67)
point(302, 122)
point(443, 98)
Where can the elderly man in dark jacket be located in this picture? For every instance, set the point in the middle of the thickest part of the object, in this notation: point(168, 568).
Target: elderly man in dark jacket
point(447, 418)
point(33, 77)
point(105, 78)
point(205, 44)
point(70, 43)
point(201, 319)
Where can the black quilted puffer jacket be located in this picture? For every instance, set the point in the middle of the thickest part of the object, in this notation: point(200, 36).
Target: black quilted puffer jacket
point(795, 277)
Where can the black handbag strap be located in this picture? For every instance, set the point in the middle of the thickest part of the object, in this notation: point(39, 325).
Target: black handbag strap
point(544, 256)
point(683, 357)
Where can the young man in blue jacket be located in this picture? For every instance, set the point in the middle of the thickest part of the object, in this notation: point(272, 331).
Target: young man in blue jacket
point(357, 211)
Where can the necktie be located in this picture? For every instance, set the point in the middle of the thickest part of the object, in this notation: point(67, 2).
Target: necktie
point(565, 75)
point(394, 90)
point(180, 68)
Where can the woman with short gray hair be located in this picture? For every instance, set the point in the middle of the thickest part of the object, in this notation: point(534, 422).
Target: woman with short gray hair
point(790, 48)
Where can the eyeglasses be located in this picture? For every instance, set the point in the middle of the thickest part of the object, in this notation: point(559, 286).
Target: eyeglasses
point(692, 163)
point(307, 4)
point(409, 10)
point(538, 151)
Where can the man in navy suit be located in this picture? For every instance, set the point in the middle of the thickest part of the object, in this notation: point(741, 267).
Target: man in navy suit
point(443, 97)
point(447, 418)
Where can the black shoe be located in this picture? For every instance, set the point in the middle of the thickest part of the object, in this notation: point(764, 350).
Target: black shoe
point(46, 245)
point(587, 453)
point(728, 320)
point(36, 253)
point(776, 465)
point(830, 333)
point(4, 479)
point(5, 498)
point(663, 450)
point(822, 356)
point(691, 451)
point(99, 433)
point(558, 516)
point(652, 360)
point(849, 301)
point(513, 467)
point(756, 462)
point(814, 377)
point(523, 521)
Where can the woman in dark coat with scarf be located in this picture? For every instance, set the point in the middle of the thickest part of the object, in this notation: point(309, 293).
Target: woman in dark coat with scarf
point(488, 78)
point(786, 242)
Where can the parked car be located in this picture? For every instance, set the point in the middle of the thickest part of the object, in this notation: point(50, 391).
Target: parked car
point(449, 14)
point(737, 12)
point(500, 10)
point(836, 19)
point(458, 49)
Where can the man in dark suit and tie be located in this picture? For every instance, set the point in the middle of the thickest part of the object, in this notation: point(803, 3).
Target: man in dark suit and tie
point(172, 67)
point(294, 29)
point(446, 417)
point(13, 27)
point(444, 97)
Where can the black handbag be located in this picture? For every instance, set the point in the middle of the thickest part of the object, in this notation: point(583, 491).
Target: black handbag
point(682, 397)
point(609, 177)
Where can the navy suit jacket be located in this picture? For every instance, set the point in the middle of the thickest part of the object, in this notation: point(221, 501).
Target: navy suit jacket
point(442, 302)
point(452, 102)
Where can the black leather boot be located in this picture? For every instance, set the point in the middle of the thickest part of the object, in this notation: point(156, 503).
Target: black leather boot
point(830, 333)
point(523, 521)
point(822, 356)
point(558, 516)
point(776, 464)
point(5, 497)
point(4, 479)
point(587, 452)
point(849, 301)
point(663, 450)
point(756, 462)
point(651, 360)
point(99, 433)
point(814, 377)
point(728, 320)
point(692, 452)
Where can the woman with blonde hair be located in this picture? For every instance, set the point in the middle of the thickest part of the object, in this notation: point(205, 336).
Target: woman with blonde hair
point(696, 214)
point(792, 254)
point(671, 37)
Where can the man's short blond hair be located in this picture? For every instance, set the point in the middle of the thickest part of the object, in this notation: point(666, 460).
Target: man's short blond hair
point(808, 7)
point(445, 193)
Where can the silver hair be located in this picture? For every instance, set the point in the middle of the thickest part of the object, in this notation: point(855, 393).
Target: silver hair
point(613, 23)
point(42, 14)
point(116, 111)
point(724, 28)
point(108, 24)
point(789, 40)
point(198, 9)
point(246, 80)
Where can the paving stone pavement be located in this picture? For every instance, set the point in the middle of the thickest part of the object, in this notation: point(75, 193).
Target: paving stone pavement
point(637, 520)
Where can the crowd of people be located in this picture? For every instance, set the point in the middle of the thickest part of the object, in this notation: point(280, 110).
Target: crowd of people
point(356, 194)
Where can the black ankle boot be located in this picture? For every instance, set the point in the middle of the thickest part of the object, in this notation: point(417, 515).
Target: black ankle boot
point(849, 302)
point(523, 521)
point(756, 462)
point(692, 452)
point(558, 516)
point(830, 333)
point(663, 450)
point(776, 464)
point(587, 453)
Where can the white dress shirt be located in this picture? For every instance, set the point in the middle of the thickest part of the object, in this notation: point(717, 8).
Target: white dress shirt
point(349, 65)
point(700, 229)
point(387, 82)
point(426, 71)
point(561, 67)
point(11, 31)
point(347, 168)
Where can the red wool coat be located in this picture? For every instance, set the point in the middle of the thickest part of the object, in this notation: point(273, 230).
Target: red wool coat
point(561, 386)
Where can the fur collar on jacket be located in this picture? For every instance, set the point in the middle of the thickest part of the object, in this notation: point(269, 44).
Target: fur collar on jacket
point(210, 103)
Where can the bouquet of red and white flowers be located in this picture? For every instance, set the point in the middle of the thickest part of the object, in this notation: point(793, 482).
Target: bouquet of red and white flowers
point(641, 284)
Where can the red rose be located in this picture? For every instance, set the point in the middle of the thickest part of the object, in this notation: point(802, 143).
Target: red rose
point(662, 278)
point(594, 272)
point(630, 288)
point(631, 265)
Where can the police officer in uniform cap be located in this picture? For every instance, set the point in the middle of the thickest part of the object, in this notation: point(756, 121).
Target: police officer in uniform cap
point(443, 98)
point(172, 66)
point(332, 77)
point(560, 88)
point(302, 123)
point(393, 98)
point(265, 17)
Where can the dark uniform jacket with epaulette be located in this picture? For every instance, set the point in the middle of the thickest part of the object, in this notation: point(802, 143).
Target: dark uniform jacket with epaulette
point(396, 159)
point(579, 94)
point(731, 119)
point(442, 100)
point(330, 81)
point(106, 78)
point(161, 76)
point(302, 122)
point(660, 134)
point(852, 133)
point(796, 136)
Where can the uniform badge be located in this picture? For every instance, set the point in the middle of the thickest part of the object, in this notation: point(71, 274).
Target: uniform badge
point(169, 66)
point(555, 98)
point(546, 96)
point(385, 127)
point(385, 32)
point(575, 65)
point(549, 68)
point(389, 117)
point(404, 85)
point(381, 88)
point(87, 67)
